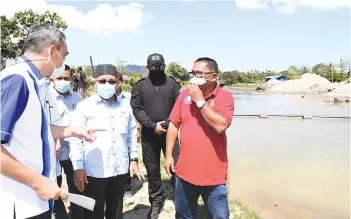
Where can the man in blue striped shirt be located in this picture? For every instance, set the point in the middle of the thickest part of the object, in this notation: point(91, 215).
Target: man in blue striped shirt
point(101, 167)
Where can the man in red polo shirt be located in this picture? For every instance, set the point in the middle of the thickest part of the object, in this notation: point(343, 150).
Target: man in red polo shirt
point(202, 113)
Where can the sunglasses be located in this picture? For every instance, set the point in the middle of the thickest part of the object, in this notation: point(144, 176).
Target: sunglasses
point(199, 74)
point(63, 78)
point(159, 67)
point(103, 81)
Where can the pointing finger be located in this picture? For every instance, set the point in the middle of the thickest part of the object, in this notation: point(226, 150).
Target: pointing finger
point(91, 131)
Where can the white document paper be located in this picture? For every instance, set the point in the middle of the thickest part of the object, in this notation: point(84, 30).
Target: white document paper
point(82, 201)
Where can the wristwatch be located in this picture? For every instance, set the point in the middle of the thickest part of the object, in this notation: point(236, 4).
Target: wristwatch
point(134, 159)
point(200, 103)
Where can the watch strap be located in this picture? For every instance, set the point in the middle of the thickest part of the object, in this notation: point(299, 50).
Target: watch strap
point(200, 103)
point(134, 159)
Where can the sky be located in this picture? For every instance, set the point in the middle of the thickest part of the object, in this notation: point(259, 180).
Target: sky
point(241, 35)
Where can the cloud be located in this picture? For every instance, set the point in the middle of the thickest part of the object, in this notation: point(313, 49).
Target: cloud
point(285, 6)
point(290, 6)
point(103, 20)
point(326, 4)
point(252, 4)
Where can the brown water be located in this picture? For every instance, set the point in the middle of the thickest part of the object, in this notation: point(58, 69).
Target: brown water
point(288, 167)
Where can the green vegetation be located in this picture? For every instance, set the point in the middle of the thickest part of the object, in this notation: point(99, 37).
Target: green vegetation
point(333, 72)
point(18, 28)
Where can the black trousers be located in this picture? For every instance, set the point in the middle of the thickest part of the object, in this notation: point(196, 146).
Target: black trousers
point(152, 145)
point(128, 182)
point(45, 215)
point(107, 191)
point(59, 208)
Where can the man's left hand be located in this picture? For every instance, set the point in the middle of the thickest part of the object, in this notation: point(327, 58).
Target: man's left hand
point(134, 170)
point(195, 93)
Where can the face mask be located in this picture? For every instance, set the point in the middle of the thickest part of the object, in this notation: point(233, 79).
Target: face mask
point(57, 71)
point(106, 91)
point(197, 81)
point(62, 86)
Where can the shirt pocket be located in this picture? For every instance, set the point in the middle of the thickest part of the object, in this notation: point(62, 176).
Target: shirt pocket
point(123, 122)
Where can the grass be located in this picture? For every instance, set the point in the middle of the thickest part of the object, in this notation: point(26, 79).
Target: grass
point(246, 85)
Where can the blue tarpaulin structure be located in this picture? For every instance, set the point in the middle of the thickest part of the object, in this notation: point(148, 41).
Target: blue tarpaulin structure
point(279, 78)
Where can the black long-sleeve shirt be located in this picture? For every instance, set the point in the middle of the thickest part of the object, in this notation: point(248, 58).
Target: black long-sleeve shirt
point(152, 100)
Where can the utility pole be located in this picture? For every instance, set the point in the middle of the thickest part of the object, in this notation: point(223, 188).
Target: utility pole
point(92, 65)
point(120, 65)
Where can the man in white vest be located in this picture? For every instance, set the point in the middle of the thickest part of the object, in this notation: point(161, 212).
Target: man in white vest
point(28, 161)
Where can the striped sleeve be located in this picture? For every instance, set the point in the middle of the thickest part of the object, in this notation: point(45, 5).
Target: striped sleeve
point(14, 98)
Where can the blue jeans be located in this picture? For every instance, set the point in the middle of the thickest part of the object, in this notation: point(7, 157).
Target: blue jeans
point(187, 195)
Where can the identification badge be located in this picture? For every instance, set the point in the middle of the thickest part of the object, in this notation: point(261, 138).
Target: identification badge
point(187, 100)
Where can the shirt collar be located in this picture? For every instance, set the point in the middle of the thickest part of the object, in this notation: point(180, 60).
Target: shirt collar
point(121, 95)
point(57, 94)
point(100, 100)
point(213, 93)
point(32, 67)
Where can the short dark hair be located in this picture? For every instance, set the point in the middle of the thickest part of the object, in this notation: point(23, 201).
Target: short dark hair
point(67, 67)
point(41, 36)
point(119, 76)
point(211, 63)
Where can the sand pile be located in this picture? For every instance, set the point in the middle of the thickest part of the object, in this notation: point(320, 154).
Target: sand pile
point(308, 83)
point(271, 83)
point(341, 90)
point(346, 81)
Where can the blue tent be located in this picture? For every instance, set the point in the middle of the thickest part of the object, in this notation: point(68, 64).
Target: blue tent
point(279, 78)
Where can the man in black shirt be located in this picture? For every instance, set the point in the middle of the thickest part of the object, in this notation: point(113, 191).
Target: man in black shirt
point(152, 101)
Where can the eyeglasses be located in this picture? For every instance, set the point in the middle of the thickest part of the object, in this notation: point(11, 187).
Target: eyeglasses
point(156, 67)
point(198, 74)
point(63, 78)
point(103, 81)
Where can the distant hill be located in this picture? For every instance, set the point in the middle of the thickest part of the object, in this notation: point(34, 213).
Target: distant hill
point(130, 68)
point(135, 69)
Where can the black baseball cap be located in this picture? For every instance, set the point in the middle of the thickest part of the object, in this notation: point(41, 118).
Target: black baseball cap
point(155, 58)
point(105, 69)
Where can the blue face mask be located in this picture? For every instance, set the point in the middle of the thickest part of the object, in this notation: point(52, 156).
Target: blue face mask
point(62, 86)
point(106, 91)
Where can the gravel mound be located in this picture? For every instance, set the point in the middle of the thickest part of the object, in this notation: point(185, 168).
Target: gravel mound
point(308, 83)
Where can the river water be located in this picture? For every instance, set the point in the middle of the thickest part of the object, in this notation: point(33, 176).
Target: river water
point(289, 167)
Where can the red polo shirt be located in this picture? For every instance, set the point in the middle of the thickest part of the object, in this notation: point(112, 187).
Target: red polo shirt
point(202, 158)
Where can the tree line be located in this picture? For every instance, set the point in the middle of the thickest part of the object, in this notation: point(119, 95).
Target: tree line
point(333, 72)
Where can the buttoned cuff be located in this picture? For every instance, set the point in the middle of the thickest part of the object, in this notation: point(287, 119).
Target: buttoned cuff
point(134, 155)
point(77, 165)
point(153, 125)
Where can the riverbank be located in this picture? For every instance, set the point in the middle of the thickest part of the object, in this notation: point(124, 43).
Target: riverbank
point(141, 206)
point(308, 84)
